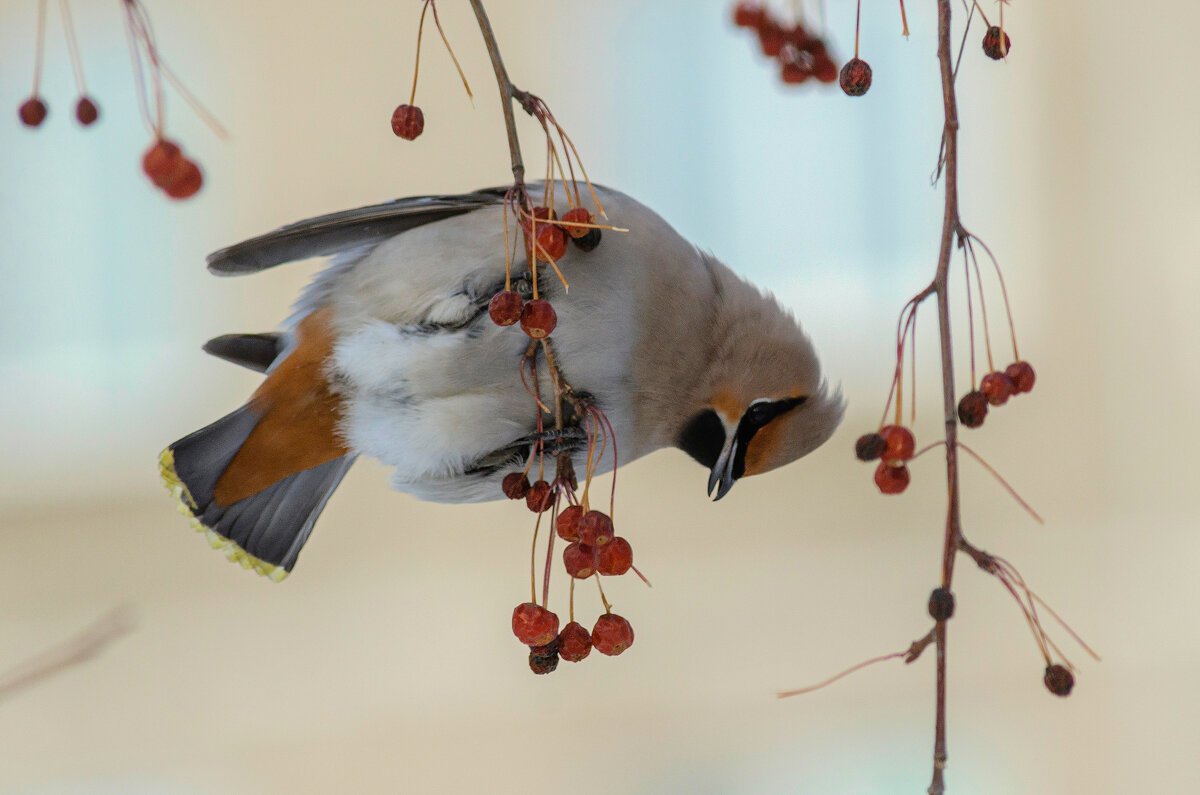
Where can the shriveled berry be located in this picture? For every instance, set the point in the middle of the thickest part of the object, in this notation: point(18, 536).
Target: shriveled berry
point(972, 409)
point(544, 214)
point(538, 318)
point(33, 112)
point(1059, 680)
point(798, 37)
point(589, 241)
point(941, 604)
point(996, 387)
point(992, 47)
point(408, 121)
point(869, 447)
point(163, 162)
point(567, 523)
point(537, 499)
point(578, 215)
point(890, 479)
point(900, 443)
point(552, 242)
point(185, 182)
point(1022, 376)
point(86, 111)
point(580, 560)
point(793, 73)
point(612, 634)
point(544, 659)
point(595, 529)
point(855, 78)
point(614, 558)
point(515, 485)
point(748, 15)
point(574, 642)
point(533, 624)
point(505, 307)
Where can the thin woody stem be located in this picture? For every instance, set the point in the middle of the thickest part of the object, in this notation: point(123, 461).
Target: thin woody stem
point(506, 91)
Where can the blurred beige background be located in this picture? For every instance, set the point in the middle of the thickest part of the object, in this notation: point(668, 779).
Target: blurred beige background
point(385, 663)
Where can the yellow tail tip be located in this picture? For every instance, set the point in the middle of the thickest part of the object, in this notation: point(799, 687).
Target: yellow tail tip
point(187, 507)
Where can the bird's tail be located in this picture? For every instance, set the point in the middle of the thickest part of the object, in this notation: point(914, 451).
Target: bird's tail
point(255, 481)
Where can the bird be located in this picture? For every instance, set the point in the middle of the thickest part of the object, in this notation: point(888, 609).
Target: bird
point(390, 353)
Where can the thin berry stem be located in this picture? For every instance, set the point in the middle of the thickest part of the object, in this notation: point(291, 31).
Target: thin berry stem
point(72, 47)
point(857, 25)
point(40, 47)
point(1012, 329)
point(412, 97)
point(450, 50)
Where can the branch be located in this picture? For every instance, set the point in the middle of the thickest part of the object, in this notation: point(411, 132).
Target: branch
point(84, 646)
point(507, 90)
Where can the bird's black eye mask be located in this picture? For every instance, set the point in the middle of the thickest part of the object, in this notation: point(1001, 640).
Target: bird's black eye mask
point(703, 438)
point(756, 418)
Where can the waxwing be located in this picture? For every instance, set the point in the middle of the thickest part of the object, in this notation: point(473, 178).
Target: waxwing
point(390, 353)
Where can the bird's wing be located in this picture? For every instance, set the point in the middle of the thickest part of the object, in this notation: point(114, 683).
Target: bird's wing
point(337, 232)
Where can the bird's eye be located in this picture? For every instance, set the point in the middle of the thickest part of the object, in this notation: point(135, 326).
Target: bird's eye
point(760, 413)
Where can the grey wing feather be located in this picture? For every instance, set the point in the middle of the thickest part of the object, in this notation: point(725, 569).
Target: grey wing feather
point(336, 232)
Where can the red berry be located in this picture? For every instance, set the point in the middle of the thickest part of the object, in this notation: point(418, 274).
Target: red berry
point(533, 624)
point(869, 447)
point(771, 37)
point(996, 387)
point(579, 215)
point(32, 112)
point(614, 558)
point(580, 560)
point(515, 485)
point(855, 78)
point(1059, 680)
point(797, 37)
point(163, 162)
point(505, 307)
point(567, 523)
point(890, 479)
point(538, 497)
point(408, 121)
point(793, 73)
point(574, 642)
point(991, 43)
point(900, 443)
point(86, 111)
point(595, 529)
point(544, 659)
point(824, 69)
point(552, 242)
point(185, 182)
point(1022, 376)
point(972, 409)
point(612, 634)
point(748, 15)
point(538, 319)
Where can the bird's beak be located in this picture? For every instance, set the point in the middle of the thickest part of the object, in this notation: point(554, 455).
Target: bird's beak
point(721, 477)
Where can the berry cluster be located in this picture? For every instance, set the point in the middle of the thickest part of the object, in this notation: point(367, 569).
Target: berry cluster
point(408, 121)
point(178, 176)
point(801, 54)
point(995, 389)
point(892, 446)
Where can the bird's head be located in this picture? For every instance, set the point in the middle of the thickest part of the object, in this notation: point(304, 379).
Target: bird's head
point(764, 402)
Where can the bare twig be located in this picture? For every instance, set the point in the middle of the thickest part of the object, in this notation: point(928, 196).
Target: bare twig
point(506, 92)
point(84, 646)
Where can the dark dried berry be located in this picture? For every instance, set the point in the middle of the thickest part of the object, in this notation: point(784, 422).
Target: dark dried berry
point(614, 558)
point(567, 523)
point(992, 47)
point(86, 111)
point(1022, 376)
point(580, 560)
point(588, 241)
point(515, 485)
point(869, 447)
point(574, 642)
point(32, 112)
point(997, 388)
point(538, 497)
point(505, 307)
point(890, 479)
point(941, 604)
point(544, 659)
point(595, 529)
point(408, 121)
point(538, 318)
point(1059, 680)
point(855, 78)
point(972, 409)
